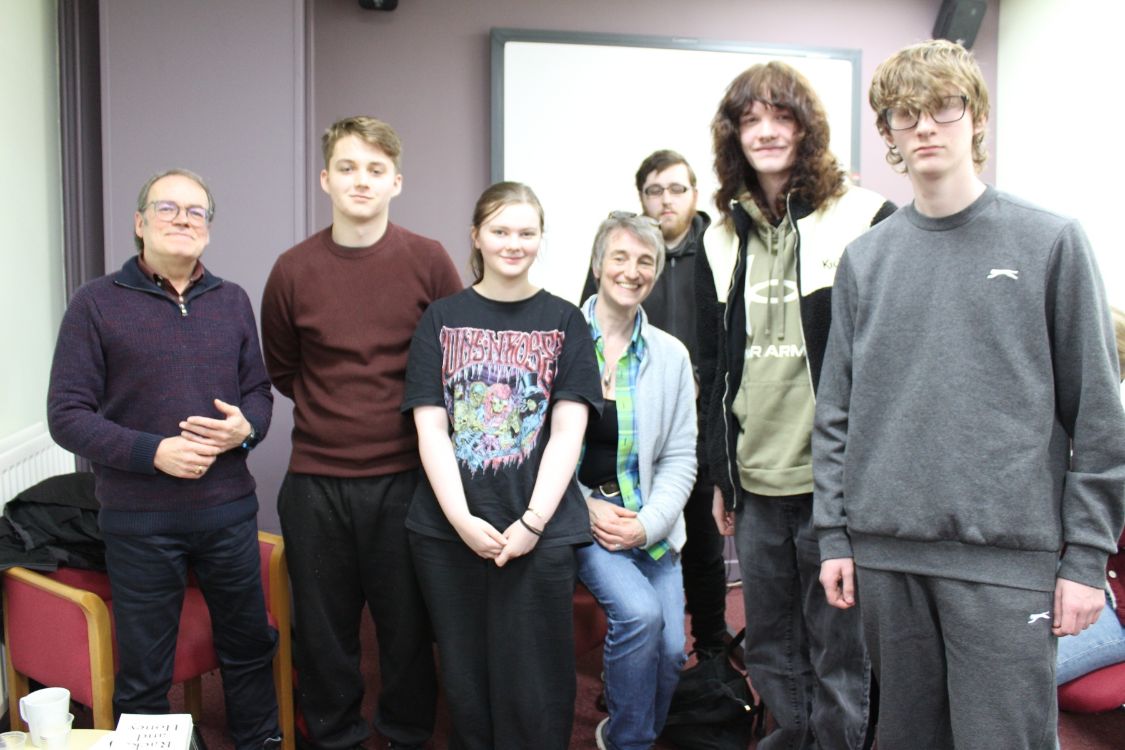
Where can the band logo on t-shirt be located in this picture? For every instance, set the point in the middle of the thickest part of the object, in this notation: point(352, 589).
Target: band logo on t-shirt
point(497, 389)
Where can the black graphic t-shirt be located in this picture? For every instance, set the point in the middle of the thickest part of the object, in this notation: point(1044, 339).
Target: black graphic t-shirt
point(497, 368)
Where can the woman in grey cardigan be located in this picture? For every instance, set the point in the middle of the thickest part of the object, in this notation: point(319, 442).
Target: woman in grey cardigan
point(638, 467)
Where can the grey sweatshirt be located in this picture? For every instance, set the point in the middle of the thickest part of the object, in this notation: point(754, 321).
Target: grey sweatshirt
point(967, 355)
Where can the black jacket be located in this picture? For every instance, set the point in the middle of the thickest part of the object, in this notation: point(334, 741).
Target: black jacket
point(722, 325)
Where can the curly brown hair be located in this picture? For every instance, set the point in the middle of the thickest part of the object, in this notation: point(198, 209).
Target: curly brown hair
point(917, 77)
point(816, 174)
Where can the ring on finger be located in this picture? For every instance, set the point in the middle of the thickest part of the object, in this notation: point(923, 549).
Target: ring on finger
point(198, 469)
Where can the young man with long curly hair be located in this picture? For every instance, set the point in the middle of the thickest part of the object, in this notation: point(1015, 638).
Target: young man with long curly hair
point(764, 287)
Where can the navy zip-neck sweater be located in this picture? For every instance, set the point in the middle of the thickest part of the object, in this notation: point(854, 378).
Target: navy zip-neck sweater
point(130, 364)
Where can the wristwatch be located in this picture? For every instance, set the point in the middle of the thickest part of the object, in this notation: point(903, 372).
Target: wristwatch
point(252, 439)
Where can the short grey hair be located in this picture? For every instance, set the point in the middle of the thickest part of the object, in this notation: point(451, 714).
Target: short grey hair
point(644, 228)
point(142, 197)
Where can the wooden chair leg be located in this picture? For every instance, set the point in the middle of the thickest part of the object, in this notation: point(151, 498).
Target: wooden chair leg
point(17, 688)
point(283, 679)
point(193, 698)
point(103, 712)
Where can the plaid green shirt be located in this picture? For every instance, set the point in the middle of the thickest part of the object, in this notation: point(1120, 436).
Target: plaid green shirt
point(628, 463)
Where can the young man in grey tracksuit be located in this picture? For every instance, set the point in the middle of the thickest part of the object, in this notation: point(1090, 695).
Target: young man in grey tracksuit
point(968, 455)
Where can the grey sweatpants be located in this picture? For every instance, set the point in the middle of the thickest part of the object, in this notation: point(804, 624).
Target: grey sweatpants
point(960, 664)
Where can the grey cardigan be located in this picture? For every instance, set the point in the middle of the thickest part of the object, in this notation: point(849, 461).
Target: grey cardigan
point(666, 433)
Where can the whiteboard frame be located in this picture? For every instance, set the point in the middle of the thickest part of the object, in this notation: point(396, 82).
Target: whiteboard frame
point(560, 275)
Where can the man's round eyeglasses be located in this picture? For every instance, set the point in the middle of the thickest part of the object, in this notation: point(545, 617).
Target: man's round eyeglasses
point(655, 191)
point(951, 109)
point(197, 216)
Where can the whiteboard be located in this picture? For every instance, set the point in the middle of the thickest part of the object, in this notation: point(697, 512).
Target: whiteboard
point(575, 114)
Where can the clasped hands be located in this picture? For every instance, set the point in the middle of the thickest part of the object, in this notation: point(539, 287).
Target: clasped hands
point(484, 540)
point(191, 453)
point(614, 527)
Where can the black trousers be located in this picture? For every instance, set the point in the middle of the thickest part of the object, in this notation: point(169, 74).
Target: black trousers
point(345, 540)
point(506, 641)
point(147, 575)
point(705, 573)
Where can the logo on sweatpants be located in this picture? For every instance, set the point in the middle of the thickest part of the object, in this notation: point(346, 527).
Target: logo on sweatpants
point(1011, 273)
point(1041, 616)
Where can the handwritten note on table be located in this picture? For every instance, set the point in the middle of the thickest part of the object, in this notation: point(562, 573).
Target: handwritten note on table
point(155, 732)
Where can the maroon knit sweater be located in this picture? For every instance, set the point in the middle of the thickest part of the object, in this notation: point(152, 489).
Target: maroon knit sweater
point(336, 329)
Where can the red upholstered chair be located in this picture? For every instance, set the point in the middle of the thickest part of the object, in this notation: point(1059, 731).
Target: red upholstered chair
point(1100, 690)
point(58, 628)
point(590, 625)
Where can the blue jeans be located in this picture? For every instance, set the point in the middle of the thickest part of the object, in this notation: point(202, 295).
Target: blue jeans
point(644, 650)
point(806, 659)
point(1099, 645)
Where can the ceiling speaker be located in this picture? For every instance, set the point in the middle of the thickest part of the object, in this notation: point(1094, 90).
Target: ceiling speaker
point(959, 21)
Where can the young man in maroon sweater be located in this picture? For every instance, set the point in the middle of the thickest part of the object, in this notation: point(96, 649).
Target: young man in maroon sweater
point(158, 380)
point(338, 313)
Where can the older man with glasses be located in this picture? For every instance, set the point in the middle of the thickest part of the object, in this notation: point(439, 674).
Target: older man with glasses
point(158, 380)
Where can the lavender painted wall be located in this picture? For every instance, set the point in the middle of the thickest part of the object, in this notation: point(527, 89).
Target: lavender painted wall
point(239, 90)
point(425, 69)
point(216, 87)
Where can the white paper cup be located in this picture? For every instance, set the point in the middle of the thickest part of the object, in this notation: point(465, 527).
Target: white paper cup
point(45, 709)
point(13, 740)
point(55, 736)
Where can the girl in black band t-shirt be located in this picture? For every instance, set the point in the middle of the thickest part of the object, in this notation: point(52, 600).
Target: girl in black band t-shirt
point(500, 379)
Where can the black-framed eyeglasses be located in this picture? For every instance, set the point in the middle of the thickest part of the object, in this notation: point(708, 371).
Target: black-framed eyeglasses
point(197, 216)
point(656, 191)
point(950, 109)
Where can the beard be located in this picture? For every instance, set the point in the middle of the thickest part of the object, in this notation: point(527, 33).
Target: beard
point(674, 226)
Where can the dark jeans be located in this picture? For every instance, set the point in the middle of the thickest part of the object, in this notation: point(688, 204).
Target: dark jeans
point(147, 575)
point(805, 658)
point(346, 545)
point(506, 641)
point(705, 571)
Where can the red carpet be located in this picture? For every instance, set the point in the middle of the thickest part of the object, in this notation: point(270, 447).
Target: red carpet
point(1077, 732)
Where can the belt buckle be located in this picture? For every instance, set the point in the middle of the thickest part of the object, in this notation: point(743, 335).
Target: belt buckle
point(609, 489)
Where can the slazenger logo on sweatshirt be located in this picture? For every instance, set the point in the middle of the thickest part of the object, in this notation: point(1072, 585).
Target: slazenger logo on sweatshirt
point(996, 273)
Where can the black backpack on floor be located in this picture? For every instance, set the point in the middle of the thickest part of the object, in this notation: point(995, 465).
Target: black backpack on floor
point(713, 708)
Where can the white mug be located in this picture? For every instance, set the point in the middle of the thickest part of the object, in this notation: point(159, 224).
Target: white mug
point(44, 709)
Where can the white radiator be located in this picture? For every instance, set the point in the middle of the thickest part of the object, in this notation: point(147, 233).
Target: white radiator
point(27, 457)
